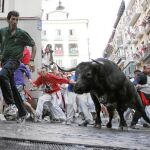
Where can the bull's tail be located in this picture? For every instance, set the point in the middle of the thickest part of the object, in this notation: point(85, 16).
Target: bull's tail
point(141, 109)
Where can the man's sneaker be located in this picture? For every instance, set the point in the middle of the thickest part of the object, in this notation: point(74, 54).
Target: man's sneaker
point(91, 122)
point(68, 122)
point(11, 110)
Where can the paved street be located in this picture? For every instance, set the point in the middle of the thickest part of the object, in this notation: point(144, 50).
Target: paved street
point(74, 134)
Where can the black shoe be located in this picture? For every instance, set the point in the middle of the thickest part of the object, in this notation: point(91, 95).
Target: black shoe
point(146, 125)
point(84, 123)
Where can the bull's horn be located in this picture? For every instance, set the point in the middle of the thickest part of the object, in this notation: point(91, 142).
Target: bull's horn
point(98, 62)
point(65, 69)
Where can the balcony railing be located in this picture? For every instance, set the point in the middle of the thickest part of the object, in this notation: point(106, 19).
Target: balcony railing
point(58, 38)
point(139, 31)
point(144, 4)
point(147, 27)
point(147, 51)
point(135, 14)
point(142, 53)
point(134, 40)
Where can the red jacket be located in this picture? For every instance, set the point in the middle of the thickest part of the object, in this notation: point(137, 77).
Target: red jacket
point(52, 81)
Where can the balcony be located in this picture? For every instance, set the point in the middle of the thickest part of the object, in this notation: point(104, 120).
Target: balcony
point(137, 56)
point(72, 38)
point(139, 31)
point(135, 14)
point(147, 51)
point(134, 40)
point(147, 27)
point(127, 40)
point(144, 4)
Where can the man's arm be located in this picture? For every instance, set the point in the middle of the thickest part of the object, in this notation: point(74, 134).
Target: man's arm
point(33, 52)
point(32, 67)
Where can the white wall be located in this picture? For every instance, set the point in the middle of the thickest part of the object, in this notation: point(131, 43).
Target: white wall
point(26, 8)
point(29, 8)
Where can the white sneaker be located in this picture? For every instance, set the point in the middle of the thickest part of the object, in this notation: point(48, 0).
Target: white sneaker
point(2, 118)
point(37, 118)
point(11, 110)
point(68, 122)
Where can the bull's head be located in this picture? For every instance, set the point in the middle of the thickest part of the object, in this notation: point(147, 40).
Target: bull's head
point(86, 74)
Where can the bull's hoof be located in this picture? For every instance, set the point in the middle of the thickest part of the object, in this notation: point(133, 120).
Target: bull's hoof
point(98, 126)
point(109, 125)
point(83, 124)
point(134, 127)
point(123, 128)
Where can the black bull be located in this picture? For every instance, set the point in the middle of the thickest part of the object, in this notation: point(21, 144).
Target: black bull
point(103, 77)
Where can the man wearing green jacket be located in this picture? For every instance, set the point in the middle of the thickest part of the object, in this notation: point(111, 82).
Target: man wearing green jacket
point(12, 43)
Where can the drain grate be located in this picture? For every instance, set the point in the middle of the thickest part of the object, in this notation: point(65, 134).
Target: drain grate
point(19, 144)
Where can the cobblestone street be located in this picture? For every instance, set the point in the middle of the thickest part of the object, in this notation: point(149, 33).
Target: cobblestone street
point(74, 134)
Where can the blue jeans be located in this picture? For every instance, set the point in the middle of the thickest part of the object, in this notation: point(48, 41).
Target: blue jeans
point(8, 87)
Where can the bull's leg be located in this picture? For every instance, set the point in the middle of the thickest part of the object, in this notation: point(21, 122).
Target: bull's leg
point(98, 109)
point(110, 110)
point(135, 119)
point(122, 120)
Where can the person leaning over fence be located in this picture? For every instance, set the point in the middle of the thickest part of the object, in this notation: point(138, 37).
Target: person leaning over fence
point(12, 43)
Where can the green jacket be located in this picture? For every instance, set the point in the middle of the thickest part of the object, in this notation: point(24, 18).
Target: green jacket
point(12, 46)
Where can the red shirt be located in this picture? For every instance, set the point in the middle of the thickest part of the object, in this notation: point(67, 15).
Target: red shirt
point(26, 56)
point(52, 81)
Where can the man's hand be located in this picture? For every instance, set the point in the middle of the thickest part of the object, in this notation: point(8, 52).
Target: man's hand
point(30, 80)
point(72, 82)
point(138, 86)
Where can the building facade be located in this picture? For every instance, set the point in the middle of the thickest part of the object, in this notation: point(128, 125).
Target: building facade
point(68, 37)
point(130, 45)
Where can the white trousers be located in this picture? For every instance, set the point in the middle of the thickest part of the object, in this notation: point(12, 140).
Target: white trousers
point(90, 103)
point(80, 101)
point(56, 111)
point(1, 101)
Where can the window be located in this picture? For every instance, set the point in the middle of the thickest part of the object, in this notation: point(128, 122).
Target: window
point(43, 32)
point(58, 50)
point(73, 49)
point(58, 32)
point(74, 62)
point(71, 32)
point(47, 16)
point(1, 5)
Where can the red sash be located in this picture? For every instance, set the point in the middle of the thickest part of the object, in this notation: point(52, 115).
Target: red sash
point(145, 100)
